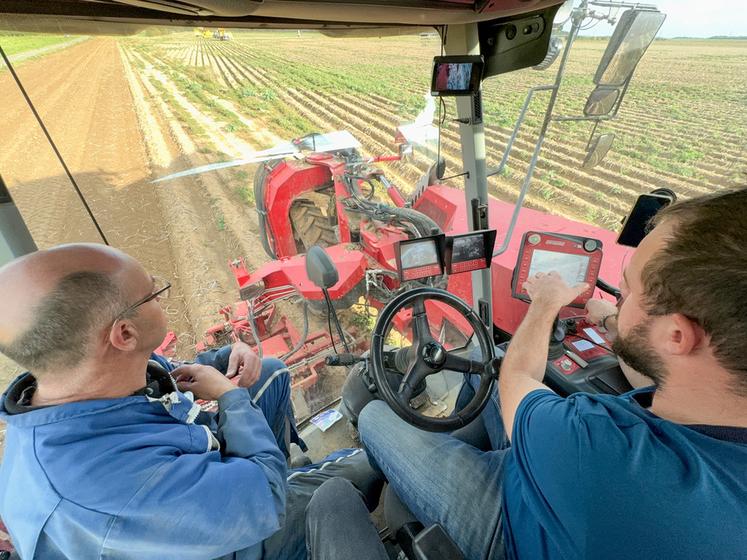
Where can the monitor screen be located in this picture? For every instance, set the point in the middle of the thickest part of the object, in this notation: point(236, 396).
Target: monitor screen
point(424, 253)
point(453, 76)
point(456, 75)
point(572, 268)
point(468, 248)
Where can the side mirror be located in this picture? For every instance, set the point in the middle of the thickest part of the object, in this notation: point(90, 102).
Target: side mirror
point(320, 269)
point(598, 148)
point(631, 38)
point(601, 101)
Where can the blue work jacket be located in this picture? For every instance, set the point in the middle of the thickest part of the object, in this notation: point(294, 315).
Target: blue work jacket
point(136, 478)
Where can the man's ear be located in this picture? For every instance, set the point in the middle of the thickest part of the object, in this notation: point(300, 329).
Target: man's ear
point(684, 335)
point(124, 335)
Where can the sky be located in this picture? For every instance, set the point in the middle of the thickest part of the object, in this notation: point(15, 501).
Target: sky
point(694, 18)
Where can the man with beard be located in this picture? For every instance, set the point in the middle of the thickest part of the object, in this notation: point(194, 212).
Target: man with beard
point(660, 472)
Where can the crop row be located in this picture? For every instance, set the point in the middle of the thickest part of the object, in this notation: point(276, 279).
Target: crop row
point(600, 195)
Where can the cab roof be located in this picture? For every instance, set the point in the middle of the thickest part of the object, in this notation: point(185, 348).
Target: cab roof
point(353, 16)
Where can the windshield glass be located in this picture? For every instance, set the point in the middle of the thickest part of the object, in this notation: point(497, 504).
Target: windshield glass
point(126, 111)
point(681, 126)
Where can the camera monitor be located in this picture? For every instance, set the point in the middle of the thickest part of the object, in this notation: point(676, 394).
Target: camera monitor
point(576, 259)
point(456, 75)
point(421, 257)
point(470, 251)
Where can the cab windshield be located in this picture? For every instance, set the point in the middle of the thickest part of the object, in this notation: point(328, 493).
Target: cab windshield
point(125, 111)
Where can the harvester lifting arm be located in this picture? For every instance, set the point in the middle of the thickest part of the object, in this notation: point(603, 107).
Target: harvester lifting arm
point(395, 195)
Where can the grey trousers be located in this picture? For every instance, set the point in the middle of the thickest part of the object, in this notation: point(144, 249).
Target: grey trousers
point(338, 526)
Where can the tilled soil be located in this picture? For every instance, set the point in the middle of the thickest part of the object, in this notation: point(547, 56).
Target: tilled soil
point(116, 137)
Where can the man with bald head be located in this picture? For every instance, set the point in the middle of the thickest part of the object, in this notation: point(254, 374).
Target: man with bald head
point(106, 458)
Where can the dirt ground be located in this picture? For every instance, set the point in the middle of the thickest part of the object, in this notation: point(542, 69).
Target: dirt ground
point(115, 139)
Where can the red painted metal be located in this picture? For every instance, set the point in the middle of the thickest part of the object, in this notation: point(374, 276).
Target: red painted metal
point(374, 249)
point(395, 196)
point(446, 206)
point(291, 271)
point(286, 182)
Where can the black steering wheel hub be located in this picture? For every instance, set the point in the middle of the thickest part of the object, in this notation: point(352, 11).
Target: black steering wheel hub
point(433, 354)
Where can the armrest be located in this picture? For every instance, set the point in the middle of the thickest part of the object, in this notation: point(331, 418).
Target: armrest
point(432, 543)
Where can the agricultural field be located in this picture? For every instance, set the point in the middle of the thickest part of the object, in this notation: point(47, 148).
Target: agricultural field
point(681, 126)
point(15, 44)
point(125, 111)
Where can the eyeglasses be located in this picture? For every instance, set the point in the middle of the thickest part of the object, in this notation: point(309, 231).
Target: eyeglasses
point(161, 289)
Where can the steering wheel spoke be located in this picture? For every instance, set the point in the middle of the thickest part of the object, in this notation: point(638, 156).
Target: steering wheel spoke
point(421, 329)
point(415, 375)
point(463, 365)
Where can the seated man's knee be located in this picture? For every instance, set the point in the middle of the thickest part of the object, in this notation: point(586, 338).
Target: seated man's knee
point(335, 495)
point(371, 417)
point(271, 365)
point(275, 372)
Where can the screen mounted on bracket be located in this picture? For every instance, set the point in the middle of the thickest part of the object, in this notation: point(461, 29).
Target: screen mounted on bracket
point(422, 257)
point(456, 75)
point(470, 251)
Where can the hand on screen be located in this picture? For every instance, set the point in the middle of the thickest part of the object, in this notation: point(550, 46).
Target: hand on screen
point(550, 290)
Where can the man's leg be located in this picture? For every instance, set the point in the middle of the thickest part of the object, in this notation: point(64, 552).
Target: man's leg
point(352, 464)
point(440, 479)
point(490, 418)
point(272, 394)
point(338, 526)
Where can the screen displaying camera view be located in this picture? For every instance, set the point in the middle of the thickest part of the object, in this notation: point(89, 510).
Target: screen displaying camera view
point(572, 268)
point(453, 76)
point(468, 248)
point(414, 255)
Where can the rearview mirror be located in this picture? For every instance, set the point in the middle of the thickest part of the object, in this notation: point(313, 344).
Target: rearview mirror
point(437, 170)
point(632, 36)
point(601, 101)
point(598, 149)
point(320, 269)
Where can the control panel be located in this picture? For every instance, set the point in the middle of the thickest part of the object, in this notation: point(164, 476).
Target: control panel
point(576, 259)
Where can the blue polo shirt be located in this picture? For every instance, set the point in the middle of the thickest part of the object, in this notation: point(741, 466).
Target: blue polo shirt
point(597, 476)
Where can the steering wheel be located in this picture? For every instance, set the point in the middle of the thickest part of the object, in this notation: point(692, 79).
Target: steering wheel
point(427, 356)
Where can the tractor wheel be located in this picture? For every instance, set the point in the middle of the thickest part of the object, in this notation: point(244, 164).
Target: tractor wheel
point(310, 225)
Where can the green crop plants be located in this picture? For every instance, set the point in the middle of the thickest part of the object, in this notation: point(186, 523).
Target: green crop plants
point(15, 44)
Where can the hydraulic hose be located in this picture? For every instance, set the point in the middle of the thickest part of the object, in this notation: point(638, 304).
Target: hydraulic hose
point(259, 199)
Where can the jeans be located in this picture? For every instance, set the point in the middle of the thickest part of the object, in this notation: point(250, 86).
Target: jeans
point(289, 543)
point(338, 526)
point(352, 464)
point(441, 478)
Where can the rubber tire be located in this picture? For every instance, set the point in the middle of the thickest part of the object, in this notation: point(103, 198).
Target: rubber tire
point(310, 226)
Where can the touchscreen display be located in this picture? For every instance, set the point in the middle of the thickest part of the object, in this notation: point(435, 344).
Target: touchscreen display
point(415, 255)
point(468, 248)
point(572, 268)
point(453, 76)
